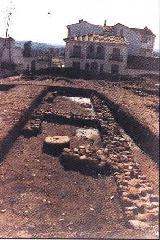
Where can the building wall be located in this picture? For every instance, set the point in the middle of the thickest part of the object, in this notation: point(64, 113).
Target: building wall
point(138, 72)
point(135, 40)
point(106, 62)
point(83, 28)
point(136, 46)
point(6, 49)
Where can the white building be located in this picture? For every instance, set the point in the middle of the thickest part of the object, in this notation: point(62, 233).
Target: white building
point(97, 53)
point(141, 41)
point(11, 54)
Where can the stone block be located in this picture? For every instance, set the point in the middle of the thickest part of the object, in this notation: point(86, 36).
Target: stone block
point(55, 144)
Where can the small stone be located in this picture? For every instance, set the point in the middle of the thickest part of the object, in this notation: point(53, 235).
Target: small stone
point(3, 210)
point(155, 204)
point(75, 150)
point(154, 198)
point(133, 193)
point(130, 215)
point(102, 158)
point(102, 164)
point(146, 217)
point(106, 150)
point(81, 147)
point(127, 201)
point(134, 182)
point(99, 152)
point(83, 158)
point(67, 150)
point(124, 194)
point(142, 177)
point(124, 183)
point(146, 190)
point(138, 224)
point(92, 209)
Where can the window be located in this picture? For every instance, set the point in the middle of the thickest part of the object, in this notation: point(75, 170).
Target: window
point(76, 65)
point(121, 32)
point(100, 52)
point(142, 52)
point(144, 39)
point(76, 51)
point(116, 51)
point(87, 66)
point(101, 68)
point(90, 52)
point(94, 66)
point(114, 69)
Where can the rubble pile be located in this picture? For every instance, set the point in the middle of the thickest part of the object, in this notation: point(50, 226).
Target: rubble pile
point(32, 128)
point(86, 157)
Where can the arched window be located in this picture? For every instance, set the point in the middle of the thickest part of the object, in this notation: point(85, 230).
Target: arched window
point(87, 66)
point(116, 51)
point(76, 51)
point(100, 52)
point(94, 66)
point(101, 68)
point(90, 51)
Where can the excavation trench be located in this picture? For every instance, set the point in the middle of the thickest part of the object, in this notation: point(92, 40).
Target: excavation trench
point(142, 136)
point(38, 171)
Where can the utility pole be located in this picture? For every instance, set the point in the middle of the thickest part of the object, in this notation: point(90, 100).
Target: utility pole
point(8, 40)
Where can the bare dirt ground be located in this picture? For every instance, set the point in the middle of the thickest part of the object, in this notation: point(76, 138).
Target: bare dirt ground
point(144, 107)
point(39, 198)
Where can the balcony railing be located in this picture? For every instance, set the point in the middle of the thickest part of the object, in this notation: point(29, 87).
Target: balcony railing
point(89, 56)
point(75, 56)
point(118, 58)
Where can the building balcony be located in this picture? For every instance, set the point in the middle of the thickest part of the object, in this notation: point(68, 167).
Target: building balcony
point(91, 56)
point(100, 57)
point(75, 56)
point(118, 58)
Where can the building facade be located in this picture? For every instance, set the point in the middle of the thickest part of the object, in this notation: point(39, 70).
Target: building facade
point(97, 53)
point(140, 41)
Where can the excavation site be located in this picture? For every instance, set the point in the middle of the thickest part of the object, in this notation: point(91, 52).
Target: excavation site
point(76, 161)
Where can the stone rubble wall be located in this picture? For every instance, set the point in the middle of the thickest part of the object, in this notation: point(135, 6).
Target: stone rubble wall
point(137, 197)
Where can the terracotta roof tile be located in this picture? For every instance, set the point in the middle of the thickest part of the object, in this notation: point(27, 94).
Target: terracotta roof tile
point(98, 38)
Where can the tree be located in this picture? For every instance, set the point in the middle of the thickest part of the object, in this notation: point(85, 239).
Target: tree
point(27, 49)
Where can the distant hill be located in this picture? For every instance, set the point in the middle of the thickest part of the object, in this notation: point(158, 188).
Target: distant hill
point(37, 45)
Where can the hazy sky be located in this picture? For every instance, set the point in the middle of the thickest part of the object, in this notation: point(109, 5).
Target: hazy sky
point(31, 21)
